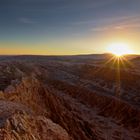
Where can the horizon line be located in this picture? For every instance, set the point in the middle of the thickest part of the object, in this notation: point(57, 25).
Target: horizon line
point(64, 55)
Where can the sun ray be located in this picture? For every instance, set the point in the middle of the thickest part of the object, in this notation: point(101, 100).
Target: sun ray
point(118, 80)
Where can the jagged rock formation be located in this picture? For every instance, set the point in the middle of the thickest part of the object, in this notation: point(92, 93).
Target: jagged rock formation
point(48, 98)
point(19, 126)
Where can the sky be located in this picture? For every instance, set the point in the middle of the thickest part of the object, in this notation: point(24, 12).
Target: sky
point(65, 27)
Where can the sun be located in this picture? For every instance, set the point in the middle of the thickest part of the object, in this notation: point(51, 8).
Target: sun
point(119, 49)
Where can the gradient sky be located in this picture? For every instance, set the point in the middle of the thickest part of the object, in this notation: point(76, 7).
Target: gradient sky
point(67, 26)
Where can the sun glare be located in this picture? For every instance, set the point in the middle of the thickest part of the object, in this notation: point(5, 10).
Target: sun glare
point(119, 49)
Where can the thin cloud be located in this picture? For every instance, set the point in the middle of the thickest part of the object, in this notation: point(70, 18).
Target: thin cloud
point(99, 29)
point(116, 27)
point(26, 20)
point(118, 23)
point(121, 19)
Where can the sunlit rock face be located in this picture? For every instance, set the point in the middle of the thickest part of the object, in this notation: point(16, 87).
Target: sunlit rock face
point(19, 125)
point(68, 98)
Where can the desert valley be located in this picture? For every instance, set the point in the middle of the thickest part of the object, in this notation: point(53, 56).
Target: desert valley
point(84, 97)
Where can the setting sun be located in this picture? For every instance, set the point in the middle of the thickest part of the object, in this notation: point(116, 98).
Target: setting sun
point(119, 49)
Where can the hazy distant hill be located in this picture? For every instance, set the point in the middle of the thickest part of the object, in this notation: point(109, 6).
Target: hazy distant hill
point(137, 59)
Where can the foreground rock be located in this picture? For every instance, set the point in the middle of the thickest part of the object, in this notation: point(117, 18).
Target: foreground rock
point(18, 123)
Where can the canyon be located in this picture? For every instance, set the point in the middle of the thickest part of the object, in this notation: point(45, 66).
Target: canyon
point(85, 97)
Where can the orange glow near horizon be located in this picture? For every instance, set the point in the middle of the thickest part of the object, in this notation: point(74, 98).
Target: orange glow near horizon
point(87, 46)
